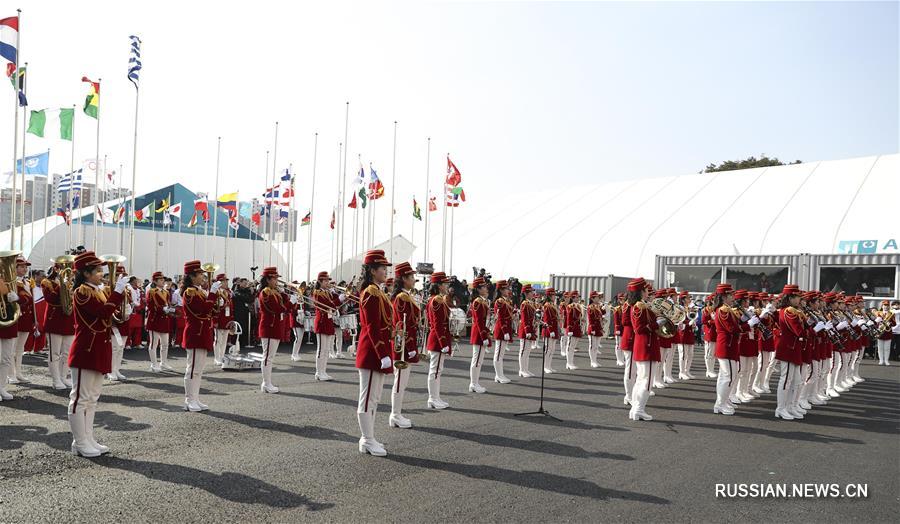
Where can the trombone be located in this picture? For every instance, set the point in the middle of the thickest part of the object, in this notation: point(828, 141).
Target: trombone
point(347, 293)
point(295, 289)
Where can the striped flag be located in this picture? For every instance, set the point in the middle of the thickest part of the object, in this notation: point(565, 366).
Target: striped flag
point(134, 61)
point(70, 181)
point(193, 221)
point(92, 102)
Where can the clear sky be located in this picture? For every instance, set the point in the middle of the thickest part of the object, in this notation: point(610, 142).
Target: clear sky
point(522, 95)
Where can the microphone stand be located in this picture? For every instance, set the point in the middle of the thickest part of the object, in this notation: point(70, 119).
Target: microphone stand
point(540, 409)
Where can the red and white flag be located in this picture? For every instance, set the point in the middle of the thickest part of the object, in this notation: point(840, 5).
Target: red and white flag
point(453, 175)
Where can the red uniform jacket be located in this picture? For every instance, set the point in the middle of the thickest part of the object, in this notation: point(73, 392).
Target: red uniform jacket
point(893, 322)
point(749, 346)
point(526, 320)
point(92, 348)
point(617, 320)
point(157, 319)
point(438, 316)
point(323, 324)
point(627, 341)
point(405, 306)
point(595, 320)
point(136, 320)
point(728, 334)
point(550, 319)
point(479, 311)
point(273, 306)
point(793, 336)
point(687, 334)
point(55, 321)
point(226, 309)
point(198, 319)
point(767, 344)
point(709, 324)
point(573, 320)
point(26, 306)
point(375, 314)
point(503, 312)
point(646, 342)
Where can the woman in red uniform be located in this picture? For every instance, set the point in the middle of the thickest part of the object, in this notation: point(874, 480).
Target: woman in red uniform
point(526, 330)
point(708, 319)
point(60, 329)
point(440, 340)
point(480, 337)
point(747, 348)
point(197, 338)
point(326, 305)
point(159, 323)
point(634, 293)
point(618, 326)
point(686, 339)
point(550, 331)
point(274, 306)
point(373, 353)
point(788, 352)
point(405, 320)
point(119, 330)
point(645, 351)
point(223, 319)
point(728, 336)
point(565, 299)
point(574, 315)
point(503, 331)
point(26, 324)
point(766, 345)
point(91, 353)
point(595, 317)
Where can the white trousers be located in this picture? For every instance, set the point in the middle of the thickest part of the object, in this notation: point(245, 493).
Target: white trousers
point(193, 373)
point(571, 346)
point(725, 381)
point(371, 384)
point(16, 371)
point(160, 341)
point(338, 342)
point(831, 380)
point(629, 375)
point(500, 347)
point(685, 359)
point(118, 350)
point(7, 356)
point(620, 355)
point(763, 365)
point(220, 345)
point(435, 366)
point(669, 362)
point(270, 348)
point(656, 371)
point(86, 385)
point(298, 341)
point(324, 344)
point(810, 373)
point(641, 391)
point(475, 367)
point(884, 351)
point(709, 357)
point(745, 376)
point(548, 355)
point(58, 358)
point(787, 384)
point(524, 354)
point(594, 350)
point(401, 379)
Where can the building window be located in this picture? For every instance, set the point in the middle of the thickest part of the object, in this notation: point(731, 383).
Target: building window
point(694, 278)
point(859, 280)
point(770, 279)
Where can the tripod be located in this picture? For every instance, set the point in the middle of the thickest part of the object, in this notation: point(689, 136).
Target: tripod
point(540, 409)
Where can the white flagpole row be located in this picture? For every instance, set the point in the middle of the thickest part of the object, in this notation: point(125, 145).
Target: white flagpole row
point(312, 200)
point(12, 208)
point(393, 192)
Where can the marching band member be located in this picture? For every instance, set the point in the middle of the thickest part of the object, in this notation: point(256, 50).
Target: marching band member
point(563, 327)
point(480, 337)
point(60, 328)
point(855, 326)
point(766, 346)
point(323, 326)
point(788, 352)
point(851, 344)
point(708, 319)
point(595, 316)
point(818, 342)
point(8, 336)
point(645, 351)
point(747, 347)
point(26, 323)
point(373, 354)
point(665, 346)
point(118, 330)
point(273, 305)
point(634, 293)
point(885, 318)
point(439, 342)
point(728, 336)
point(526, 333)
point(224, 317)
point(135, 326)
point(574, 313)
point(91, 353)
point(550, 321)
point(298, 316)
point(503, 332)
point(686, 340)
point(618, 326)
point(405, 318)
point(159, 323)
point(197, 338)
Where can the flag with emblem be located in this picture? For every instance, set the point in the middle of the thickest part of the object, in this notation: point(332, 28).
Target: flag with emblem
point(92, 102)
point(417, 211)
point(307, 220)
point(454, 177)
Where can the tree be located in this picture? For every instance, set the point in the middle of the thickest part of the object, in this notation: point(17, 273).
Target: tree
point(749, 163)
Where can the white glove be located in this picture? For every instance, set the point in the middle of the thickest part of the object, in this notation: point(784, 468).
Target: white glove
point(819, 327)
point(168, 309)
point(842, 325)
point(751, 310)
point(486, 343)
point(810, 321)
point(215, 287)
point(331, 316)
point(753, 321)
point(765, 313)
point(506, 336)
point(385, 362)
point(553, 334)
point(569, 334)
point(412, 354)
point(713, 316)
point(878, 320)
point(293, 299)
point(12, 296)
point(446, 350)
point(855, 322)
point(870, 323)
point(120, 284)
point(527, 336)
point(341, 297)
point(829, 325)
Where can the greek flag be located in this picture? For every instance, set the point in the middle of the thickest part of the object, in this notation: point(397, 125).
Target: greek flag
point(70, 181)
point(134, 61)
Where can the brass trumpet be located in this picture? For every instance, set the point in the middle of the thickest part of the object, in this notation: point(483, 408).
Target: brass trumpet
point(9, 311)
point(347, 292)
point(400, 344)
point(112, 262)
point(67, 265)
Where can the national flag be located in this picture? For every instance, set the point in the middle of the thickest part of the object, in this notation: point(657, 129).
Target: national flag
point(432, 204)
point(9, 38)
point(35, 164)
point(332, 219)
point(52, 120)
point(245, 209)
point(361, 175)
point(307, 220)
point(110, 175)
point(201, 205)
point(163, 206)
point(417, 211)
point(142, 214)
point(362, 197)
point(283, 214)
point(92, 102)
point(105, 216)
point(256, 218)
point(134, 60)
point(70, 181)
point(352, 203)
point(175, 210)
point(120, 214)
point(167, 219)
point(453, 175)
point(376, 189)
point(271, 194)
point(60, 212)
point(193, 221)
point(455, 195)
point(228, 202)
point(76, 198)
point(18, 82)
point(233, 223)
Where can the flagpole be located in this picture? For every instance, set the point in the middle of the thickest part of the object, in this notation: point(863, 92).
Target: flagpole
point(103, 196)
point(227, 234)
point(336, 263)
point(452, 221)
point(12, 207)
point(97, 171)
point(312, 199)
point(155, 235)
point(272, 194)
point(71, 194)
point(269, 208)
point(393, 192)
point(427, 193)
point(137, 94)
point(216, 199)
point(343, 190)
point(24, 186)
point(444, 232)
point(122, 220)
point(292, 224)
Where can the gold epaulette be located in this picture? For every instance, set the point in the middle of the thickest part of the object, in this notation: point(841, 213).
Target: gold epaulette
point(639, 305)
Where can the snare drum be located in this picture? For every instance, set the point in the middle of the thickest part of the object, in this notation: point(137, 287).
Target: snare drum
point(457, 321)
point(347, 322)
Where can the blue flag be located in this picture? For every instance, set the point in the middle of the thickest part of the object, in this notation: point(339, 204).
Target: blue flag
point(35, 164)
point(245, 209)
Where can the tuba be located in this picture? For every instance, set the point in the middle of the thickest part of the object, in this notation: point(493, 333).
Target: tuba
point(9, 311)
point(112, 262)
point(66, 265)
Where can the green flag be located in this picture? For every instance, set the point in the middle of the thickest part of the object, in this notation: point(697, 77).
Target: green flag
point(52, 121)
point(417, 211)
point(362, 197)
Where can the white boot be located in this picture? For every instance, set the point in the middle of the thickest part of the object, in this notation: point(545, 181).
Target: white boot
point(367, 443)
point(80, 444)
point(570, 353)
point(322, 357)
point(499, 350)
point(267, 386)
point(54, 368)
point(89, 430)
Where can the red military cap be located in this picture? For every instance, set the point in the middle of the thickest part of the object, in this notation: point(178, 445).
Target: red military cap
point(527, 288)
point(270, 271)
point(595, 294)
point(376, 257)
point(637, 284)
point(812, 295)
point(549, 291)
point(661, 293)
point(724, 289)
point(439, 277)
point(790, 289)
point(478, 282)
point(157, 275)
point(120, 269)
point(22, 262)
point(502, 284)
point(683, 294)
point(402, 269)
point(389, 282)
point(323, 275)
point(86, 260)
point(191, 266)
point(885, 303)
point(221, 277)
point(740, 294)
